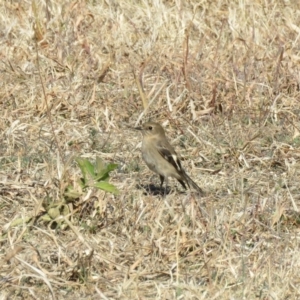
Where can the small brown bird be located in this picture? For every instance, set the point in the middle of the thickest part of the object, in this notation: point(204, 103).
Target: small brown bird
point(161, 157)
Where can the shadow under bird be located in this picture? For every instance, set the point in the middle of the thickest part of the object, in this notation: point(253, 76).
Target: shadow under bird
point(161, 157)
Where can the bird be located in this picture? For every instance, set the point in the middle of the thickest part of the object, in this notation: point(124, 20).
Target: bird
point(161, 157)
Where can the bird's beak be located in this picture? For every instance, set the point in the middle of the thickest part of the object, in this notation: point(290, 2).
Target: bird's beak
point(134, 128)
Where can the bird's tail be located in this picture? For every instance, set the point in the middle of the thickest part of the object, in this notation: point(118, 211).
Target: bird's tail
point(190, 183)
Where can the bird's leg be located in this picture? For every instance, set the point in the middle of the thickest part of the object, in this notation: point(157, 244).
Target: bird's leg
point(162, 178)
point(166, 187)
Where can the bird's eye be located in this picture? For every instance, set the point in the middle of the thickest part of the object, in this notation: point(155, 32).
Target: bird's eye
point(150, 127)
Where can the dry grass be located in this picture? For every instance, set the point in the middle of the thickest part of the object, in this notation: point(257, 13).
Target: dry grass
point(223, 77)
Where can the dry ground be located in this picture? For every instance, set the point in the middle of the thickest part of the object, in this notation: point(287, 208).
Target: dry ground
point(223, 77)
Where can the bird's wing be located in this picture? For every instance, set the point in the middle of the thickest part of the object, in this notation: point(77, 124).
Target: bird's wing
point(169, 154)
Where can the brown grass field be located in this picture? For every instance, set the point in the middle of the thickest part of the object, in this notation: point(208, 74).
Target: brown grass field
point(222, 77)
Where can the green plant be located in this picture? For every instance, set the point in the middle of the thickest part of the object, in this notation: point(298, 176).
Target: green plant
point(93, 176)
point(96, 175)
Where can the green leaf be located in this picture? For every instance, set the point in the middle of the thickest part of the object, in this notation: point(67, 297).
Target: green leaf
point(104, 174)
point(82, 183)
point(108, 187)
point(86, 168)
point(53, 212)
point(100, 166)
point(95, 175)
point(45, 218)
point(20, 221)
